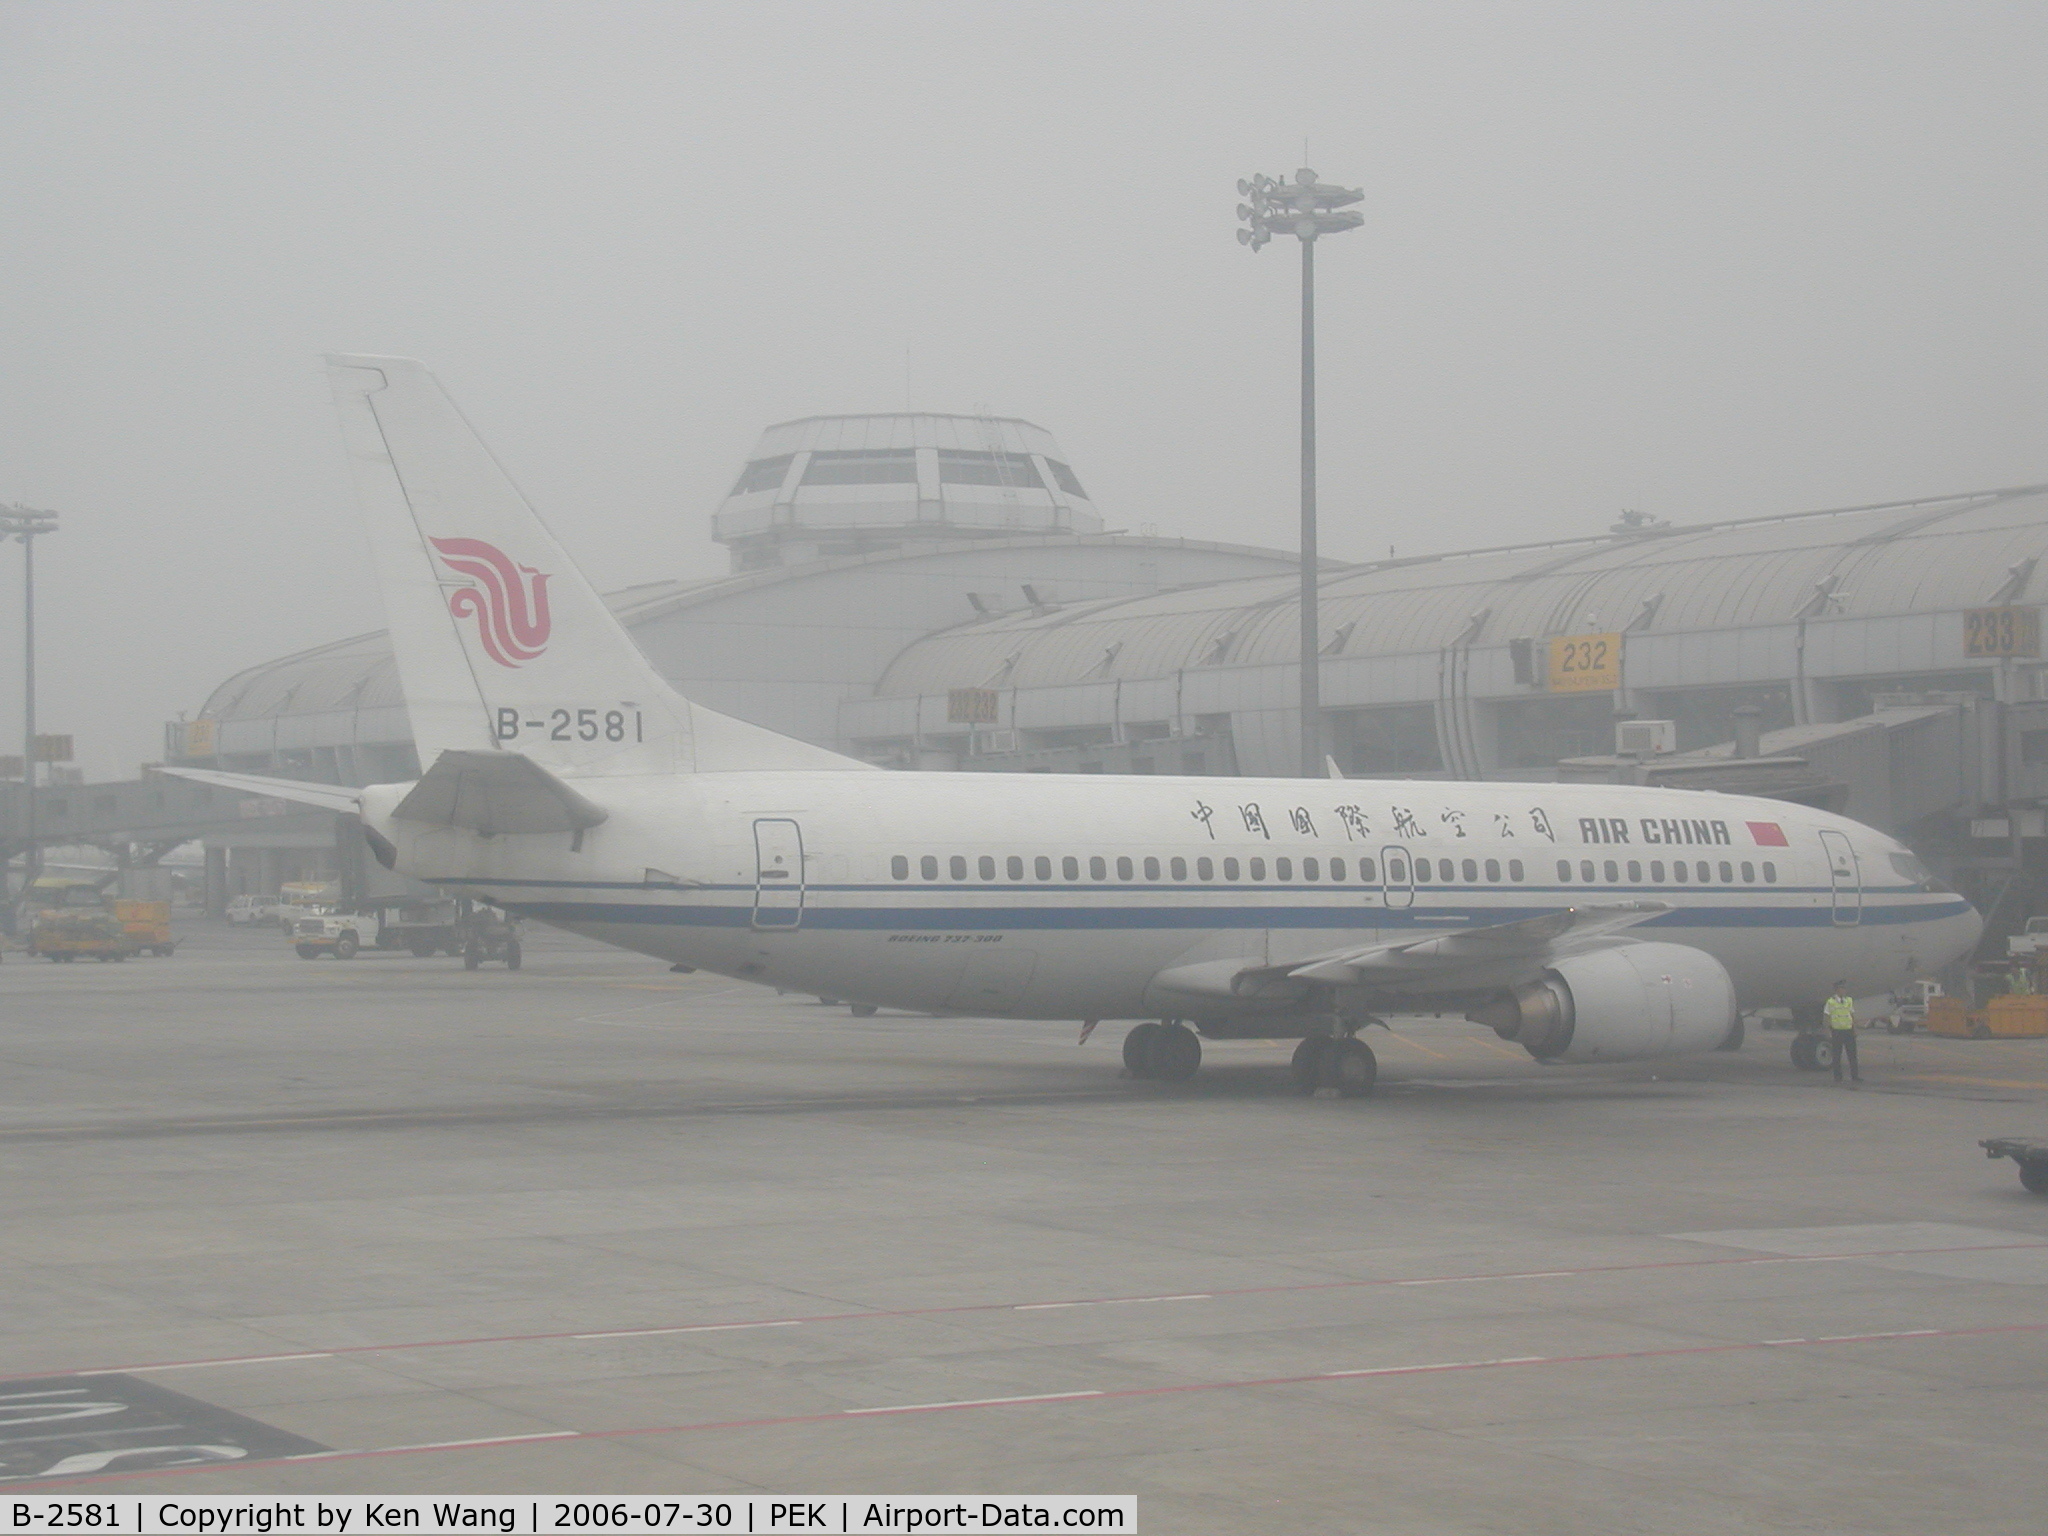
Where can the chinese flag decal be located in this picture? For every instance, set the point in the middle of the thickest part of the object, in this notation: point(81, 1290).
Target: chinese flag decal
point(1768, 834)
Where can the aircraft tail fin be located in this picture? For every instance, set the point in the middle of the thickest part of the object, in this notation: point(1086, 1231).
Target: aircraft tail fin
point(502, 644)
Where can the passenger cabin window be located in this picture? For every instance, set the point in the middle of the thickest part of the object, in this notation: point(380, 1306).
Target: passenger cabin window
point(1635, 872)
point(1514, 869)
point(957, 867)
point(1014, 867)
point(1311, 869)
point(1471, 872)
point(1423, 870)
point(1098, 869)
point(1748, 873)
point(1205, 869)
point(1770, 872)
point(928, 867)
point(1337, 869)
point(1151, 869)
point(899, 867)
point(1586, 870)
point(1230, 869)
point(1678, 871)
point(1042, 867)
point(1368, 871)
point(1656, 871)
point(1564, 869)
point(1124, 869)
point(1179, 868)
point(1727, 872)
point(1612, 871)
point(987, 867)
point(1258, 869)
point(1070, 869)
point(1283, 869)
point(1492, 870)
point(1705, 873)
point(1397, 871)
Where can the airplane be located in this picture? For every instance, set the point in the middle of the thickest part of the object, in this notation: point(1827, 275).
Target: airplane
point(568, 782)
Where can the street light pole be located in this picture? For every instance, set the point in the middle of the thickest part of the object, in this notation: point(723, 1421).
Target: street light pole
point(1304, 208)
point(25, 524)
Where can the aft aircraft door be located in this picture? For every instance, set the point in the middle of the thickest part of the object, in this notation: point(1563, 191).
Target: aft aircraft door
point(778, 874)
point(1397, 877)
point(1845, 878)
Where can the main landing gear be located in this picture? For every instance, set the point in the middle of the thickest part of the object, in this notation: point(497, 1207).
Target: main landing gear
point(1340, 1062)
point(1170, 1052)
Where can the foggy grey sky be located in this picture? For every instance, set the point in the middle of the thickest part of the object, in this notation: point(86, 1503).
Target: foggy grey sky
point(1705, 260)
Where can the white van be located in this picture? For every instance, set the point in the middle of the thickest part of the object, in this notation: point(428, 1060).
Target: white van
point(253, 909)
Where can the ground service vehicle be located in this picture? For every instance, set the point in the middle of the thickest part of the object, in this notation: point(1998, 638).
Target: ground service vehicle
point(70, 918)
point(569, 782)
point(148, 926)
point(2026, 944)
point(420, 926)
point(2032, 1156)
point(297, 898)
point(488, 934)
point(253, 909)
point(320, 932)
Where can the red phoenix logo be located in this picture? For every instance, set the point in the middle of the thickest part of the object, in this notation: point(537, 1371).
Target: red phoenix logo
point(510, 601)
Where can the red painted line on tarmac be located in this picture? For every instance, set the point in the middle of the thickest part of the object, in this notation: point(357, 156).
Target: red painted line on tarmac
point(657, 1330)
point(1432, 1368)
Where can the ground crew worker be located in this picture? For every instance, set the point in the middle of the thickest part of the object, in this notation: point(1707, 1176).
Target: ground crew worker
point(2020, 983)
point(1840, 1010)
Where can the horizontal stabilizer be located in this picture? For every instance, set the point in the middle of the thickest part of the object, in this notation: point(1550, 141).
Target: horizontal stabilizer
point(493, 792)
point(329, 797)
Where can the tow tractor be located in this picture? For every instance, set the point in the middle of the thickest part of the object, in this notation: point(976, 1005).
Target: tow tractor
point(2032, 1156)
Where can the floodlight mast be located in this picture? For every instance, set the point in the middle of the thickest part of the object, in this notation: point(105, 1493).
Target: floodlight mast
point(1306, 209)
point(26, 524)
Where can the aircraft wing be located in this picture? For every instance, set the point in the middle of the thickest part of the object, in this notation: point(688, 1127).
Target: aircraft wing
point(329, 797)
point(1442, 962)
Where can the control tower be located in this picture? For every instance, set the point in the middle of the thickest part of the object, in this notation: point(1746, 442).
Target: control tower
point(830, 486)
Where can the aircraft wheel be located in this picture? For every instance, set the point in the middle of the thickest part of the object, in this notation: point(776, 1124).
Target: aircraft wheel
point(512, 957)
point(307, 951)
point(1306, 1067)
point(1732, 1041)
point(1174, 1054)
point(861, 1010)
point(1350, 1067)
point(1138, 1050)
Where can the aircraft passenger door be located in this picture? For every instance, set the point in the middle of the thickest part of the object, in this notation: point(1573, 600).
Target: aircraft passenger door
point(778, 874)
point(1845, 878)
point(1397, 877)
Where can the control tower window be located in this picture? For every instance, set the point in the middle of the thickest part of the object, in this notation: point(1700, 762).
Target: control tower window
point(862, 466)
point(763, 475)
point(966, 466)
point(1065, 476)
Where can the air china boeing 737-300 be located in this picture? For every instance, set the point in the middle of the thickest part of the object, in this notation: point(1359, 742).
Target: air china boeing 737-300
point(566, 781)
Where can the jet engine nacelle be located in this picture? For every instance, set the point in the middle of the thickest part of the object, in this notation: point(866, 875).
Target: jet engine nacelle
point(1619, 1004)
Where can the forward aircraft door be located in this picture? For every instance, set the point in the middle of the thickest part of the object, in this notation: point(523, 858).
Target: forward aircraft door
point(778, 874)
point(1845, 878)
point(1397, 877)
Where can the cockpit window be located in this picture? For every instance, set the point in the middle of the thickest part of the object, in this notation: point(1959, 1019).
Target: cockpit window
point(1910, 868)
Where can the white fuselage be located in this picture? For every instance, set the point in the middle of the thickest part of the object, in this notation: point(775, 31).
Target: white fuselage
point(1062, 897)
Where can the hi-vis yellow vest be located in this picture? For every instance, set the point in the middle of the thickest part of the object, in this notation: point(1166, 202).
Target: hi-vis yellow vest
point(1841, 1012)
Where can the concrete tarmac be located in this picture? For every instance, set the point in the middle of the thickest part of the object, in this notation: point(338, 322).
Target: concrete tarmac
point(594, 1227)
